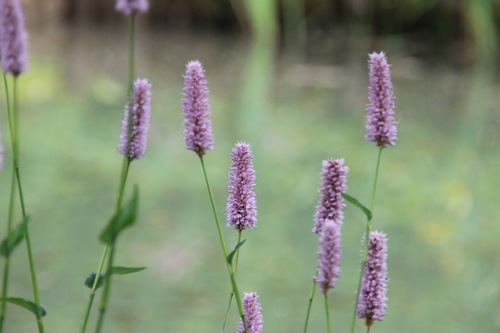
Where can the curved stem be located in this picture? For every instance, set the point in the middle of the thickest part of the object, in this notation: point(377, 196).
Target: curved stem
point(309, 305)
point(224, 250)
point(369, 224)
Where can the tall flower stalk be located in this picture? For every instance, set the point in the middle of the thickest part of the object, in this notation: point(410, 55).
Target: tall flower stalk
point(380, 129)
point(133, 143)
point(13, 50)
point(133, 140)
point(241, 207)
point(198, 137)
point(328, 212)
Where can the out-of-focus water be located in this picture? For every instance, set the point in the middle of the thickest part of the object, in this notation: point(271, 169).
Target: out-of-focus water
point(437, 195)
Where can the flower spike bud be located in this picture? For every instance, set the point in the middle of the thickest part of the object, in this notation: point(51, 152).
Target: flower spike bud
point(372, 302)
point(329, 256)
point(380, 124)
point(253, 314)
point(331, 203)
point(13, 37)
point(134, 135)
point(195, 107)
point(132, 7)
point(241, 204)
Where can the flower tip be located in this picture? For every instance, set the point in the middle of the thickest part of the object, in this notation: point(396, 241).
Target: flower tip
point(380, 124)
point(134, 135)
point(132, 7)
point(195, 107)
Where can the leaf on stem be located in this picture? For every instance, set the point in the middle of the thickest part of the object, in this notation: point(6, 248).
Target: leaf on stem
point(37, 310)
point(125, 218)
point(233, 252)
point(89, 282)
point(125, 270)
point(14, 238)
point(358, 204)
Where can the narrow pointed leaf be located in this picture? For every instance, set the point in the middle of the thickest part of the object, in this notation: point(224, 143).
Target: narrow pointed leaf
point(37, 310)
point(89, 282)
point(14, 238)
point(233, 252)
point(125, 218)
point(125, 270)
point(358, 204)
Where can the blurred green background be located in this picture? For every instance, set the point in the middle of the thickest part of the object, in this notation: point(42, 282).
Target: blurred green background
point(290, 78)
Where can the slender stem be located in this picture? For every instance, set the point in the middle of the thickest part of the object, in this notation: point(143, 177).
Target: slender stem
point(13, 126)
point(94, 288)
point(109, 248)
point(375, 180)
point(327, 311)
point(107, 279)
point(224, 249)
point(131, 55)
point(5, 283)
point(107, 288)
point(369, 224)
point(309, 305)
point(231, 294)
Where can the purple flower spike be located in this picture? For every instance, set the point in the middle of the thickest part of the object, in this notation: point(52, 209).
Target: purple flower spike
point(134, 136)
point(132, 7)
point(380, 123)
point(13, 38)
point(241, 205)
point(331, 202)
point(329, 255)
point(372, 298)
point(253, 314)
point(195, 107)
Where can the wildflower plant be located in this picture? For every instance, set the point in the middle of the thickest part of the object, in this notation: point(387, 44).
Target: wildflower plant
point(198, 137)
point(13, 51)
point(132, 145)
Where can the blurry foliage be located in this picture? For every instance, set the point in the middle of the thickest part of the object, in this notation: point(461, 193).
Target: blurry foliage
point(432, 24)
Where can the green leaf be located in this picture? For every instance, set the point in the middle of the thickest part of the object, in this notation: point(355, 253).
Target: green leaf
point(233, 252)
point(14, 238)
point(358, 204)
point(37, 310)
point(125, 270)
point(125, 218)
point(89, 282)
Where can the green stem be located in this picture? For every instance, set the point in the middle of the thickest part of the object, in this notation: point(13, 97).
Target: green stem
point(94, 288)
point(5, 283)
point(369, 224)
point(13, 127)
point(131, 55)
point(230, 271)
point(231, 294)
point(327, 311)
point(309, 305)
point(107, 288)
point(109, 248)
